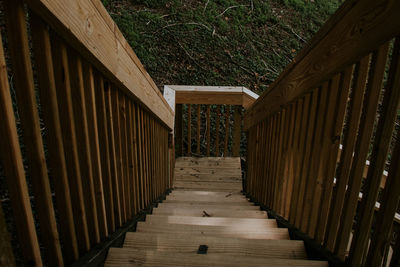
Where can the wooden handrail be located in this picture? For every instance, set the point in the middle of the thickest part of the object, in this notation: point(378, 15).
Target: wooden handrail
point(88, 27)
point(356, 29)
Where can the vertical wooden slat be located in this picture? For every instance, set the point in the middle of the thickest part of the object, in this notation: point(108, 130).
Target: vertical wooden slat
point(343, 170)
point(237, 130)
point(105, 152)
point(113, 161)
point(179, 130)
point(131, 160)
point(383, 136)
point(227, 129)
point(62, 78)
point(305, 168)
point(7, 256)
point(396, 254)
point(208, 129)
point(140, 155)
point(217, 122)
point(11, 159)
point(189, 129)
point(94, 148)
point(48, 99)
point(198, 128)
point(118, 150)
point(135, 157)
point(83, 149)
point(361, 150)
point(382, 235)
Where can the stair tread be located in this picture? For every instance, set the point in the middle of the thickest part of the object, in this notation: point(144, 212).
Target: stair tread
point(217, 221)
point(213, 212)
point(186, 243)
point(132, 257)
point(239, 231)
point(207, 205)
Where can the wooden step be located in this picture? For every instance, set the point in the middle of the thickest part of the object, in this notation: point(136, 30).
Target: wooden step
point(209, 170)
point(199, 198)
point(206, 205)
point(209, 186)
point(217, 221)
point(208, 178)
point(184, 243)
point(203, 193)
point(133, 257)
point(238, 231)
point(212, 212)
point(222, 204)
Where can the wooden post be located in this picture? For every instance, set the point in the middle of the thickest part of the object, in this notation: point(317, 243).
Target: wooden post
point(189, 129)
point(227, 129)
point(217, 122)
point(179, 130)
point(198, 128)
point(208, 130)
point(237, 130)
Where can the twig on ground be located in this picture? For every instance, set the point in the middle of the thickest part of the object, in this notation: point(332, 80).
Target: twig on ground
point(230, 8)
point(205, 7)
point(187, 23)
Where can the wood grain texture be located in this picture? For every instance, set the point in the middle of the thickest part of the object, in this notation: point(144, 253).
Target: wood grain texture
point(89, 29)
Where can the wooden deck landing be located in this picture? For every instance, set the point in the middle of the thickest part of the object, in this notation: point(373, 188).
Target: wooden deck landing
point(207, 208)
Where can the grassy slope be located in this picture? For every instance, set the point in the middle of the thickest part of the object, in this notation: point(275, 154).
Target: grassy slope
point(218, 42)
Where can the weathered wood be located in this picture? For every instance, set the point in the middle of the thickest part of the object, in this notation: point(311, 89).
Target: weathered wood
point(227, 129)
point(11, 159)
point(198, 128)
point(217, 133)
point(83, 149)
point(361, 150)
point(237, 130)
point(179, 130)
point(317, 65)
point(103, 45)
point(189, 129)
point(48, 99)
point(63, 87)
point(6, 256)
point(208, 119)
point(288, 249)
point(105, 152)
point(158, 258)
point(383, 135)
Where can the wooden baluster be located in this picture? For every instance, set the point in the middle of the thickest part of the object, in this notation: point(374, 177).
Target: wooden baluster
point(179, 130)
point(7, 255)
point(396, 253)
point(139, 128)
point(135, 149)
point(11, 158)
point(198, 128)
point(383, 135)
point(277, 174)
point(113, 157)
point(227, 129)
point(105, 152)
point(94, 149)
point(237, 130)
point(189, 129)
point(343, 169)
point(48, 99)
point(361, 149)
point(208, 129)
point(83, 149)
point(63, 86)
point(217, 130)
point(118, 150)
point(130, 164)
point(305, 165)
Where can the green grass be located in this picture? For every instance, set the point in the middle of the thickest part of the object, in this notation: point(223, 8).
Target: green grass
point(223, 42)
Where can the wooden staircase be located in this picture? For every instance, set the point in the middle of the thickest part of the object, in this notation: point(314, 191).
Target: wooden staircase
point(206, 221)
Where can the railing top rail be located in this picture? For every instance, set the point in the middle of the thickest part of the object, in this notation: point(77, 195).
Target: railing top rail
point(357, 28)
point(87, 26)
point(190, 94)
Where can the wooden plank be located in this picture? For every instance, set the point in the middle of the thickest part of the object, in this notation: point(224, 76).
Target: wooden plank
point(83, 149)
point(316, 66)
point(11, 159)
point(94, 148)
point(382, 140)
point(179, 131)
point(343, 169)
point(196, 198)
point(382, 235)
point(131, 157)
point(217, 186)
point(227, 129)
point(136, 165)
point(211, 160)
point(207, 204)
point(105, 152)
point(281, 249)
point(125, 257)
point(217, 133)
point(7, 256)
point(216, 221)
point(361, 150)
point(103, 46)
point(140, 156)
point(48, 99)
point(63, 87)
point(238, 231)
point(198, 129)
point(212, 212)
point(189, 129)
point(208, 121)
point(113, 162)
point(237, 130)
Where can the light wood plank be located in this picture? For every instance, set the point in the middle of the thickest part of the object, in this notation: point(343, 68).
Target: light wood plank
point(231, 212)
